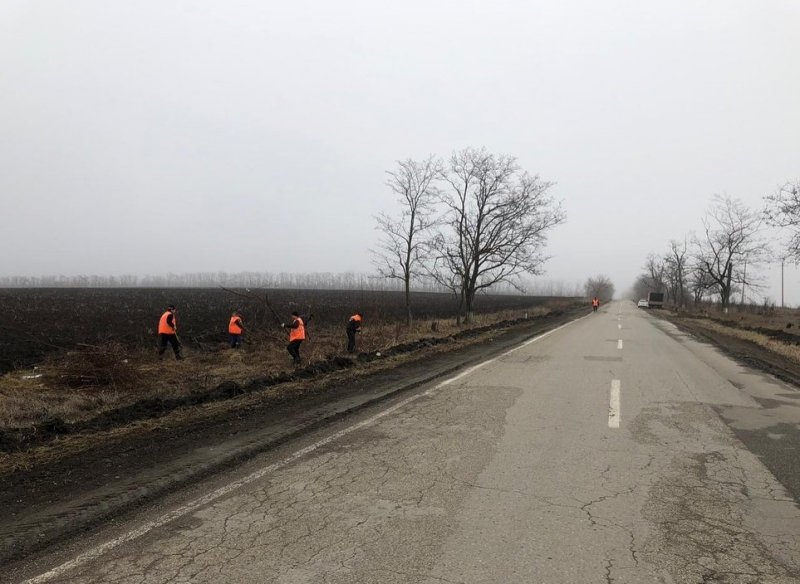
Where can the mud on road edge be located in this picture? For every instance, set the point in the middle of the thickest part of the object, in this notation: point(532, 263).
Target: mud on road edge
point(742, 351)
point(47, 504)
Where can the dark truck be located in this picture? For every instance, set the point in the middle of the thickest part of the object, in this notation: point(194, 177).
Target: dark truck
point(655, 300)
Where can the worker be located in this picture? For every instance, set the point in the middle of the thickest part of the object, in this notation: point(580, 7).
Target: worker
point(168, 333)
point(297, 334)
point(595, 304)
point(235, 330)
point(353, 327)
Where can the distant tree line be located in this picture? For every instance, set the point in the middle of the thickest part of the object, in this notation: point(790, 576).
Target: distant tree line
point(471, 222)
point(721, 262)
point(267, 280)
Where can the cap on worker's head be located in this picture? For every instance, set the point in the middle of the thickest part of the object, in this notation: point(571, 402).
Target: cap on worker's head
point(295, 313)
point(171, 307)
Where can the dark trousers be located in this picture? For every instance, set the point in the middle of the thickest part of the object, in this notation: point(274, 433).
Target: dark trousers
point(164, 340)
point(294, 350)
point(351, 341)
point(236, 340)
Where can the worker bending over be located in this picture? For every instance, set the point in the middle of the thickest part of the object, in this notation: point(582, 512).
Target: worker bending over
point(297, 334)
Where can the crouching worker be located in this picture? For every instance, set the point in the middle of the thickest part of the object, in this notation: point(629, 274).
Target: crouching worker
point(168, 333)
point(297, 334)
point(353, 327)
point(235, 330)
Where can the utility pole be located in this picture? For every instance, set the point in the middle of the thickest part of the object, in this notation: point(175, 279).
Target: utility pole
point(744, 281)
point(783, 261)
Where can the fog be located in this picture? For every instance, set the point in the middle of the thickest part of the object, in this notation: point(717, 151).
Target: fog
point(152, 137)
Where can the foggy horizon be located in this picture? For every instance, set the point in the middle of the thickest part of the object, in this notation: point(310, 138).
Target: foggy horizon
point(151, 138)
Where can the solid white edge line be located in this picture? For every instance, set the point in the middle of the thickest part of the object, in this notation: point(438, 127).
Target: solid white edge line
point(102, 549)
point(614, 405)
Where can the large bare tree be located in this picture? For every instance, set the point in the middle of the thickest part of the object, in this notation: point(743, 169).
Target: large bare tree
point(783, 210)
point(731, 239)
point(495, 225)
point(401, 247)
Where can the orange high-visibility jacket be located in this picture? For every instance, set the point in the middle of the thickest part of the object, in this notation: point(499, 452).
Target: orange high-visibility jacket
point(595, 302)
point(164, 328)
point(233, 325)
point(299, 333)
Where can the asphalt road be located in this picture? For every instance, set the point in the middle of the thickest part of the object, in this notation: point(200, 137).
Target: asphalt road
point(609, 450)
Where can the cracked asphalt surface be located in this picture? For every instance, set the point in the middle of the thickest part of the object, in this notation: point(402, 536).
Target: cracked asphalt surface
point(508, 474)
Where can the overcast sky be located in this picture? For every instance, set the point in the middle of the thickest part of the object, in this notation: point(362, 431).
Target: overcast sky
point(156, 136)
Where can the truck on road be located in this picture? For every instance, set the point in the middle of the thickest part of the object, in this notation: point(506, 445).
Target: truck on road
point(655, 300)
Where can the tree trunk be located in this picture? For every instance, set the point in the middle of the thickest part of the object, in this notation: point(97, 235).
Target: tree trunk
point(469, 316)
point(409, 318)
point(460, 308)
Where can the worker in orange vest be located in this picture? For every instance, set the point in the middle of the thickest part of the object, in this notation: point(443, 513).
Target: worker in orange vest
point(168, 333)
point(235, 330)
point(297, 334)
point(595, 304)
point(353, 327)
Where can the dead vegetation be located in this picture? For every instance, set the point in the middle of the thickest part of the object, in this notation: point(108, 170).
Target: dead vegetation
point(774, 329)
point(82, 384)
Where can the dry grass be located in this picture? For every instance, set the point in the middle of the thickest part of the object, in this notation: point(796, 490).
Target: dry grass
point(785, 319)
point(79, 385)
point(791, 352)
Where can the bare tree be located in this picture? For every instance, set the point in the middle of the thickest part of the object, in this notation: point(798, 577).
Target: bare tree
point(400, 250)
point(700, 284)
point(655, 270)
point(497, 218)
point(731, 240)
point(675, 267)
point(783, 210)
point(600, 286)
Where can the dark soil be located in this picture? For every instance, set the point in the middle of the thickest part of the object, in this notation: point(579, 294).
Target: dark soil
point(20, 439)
point(35, 322)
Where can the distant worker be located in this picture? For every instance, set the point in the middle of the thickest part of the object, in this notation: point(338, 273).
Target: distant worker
point(353, 327)
point(297, 334)
point(168, 333)
point(235, 330)
point(595, 304)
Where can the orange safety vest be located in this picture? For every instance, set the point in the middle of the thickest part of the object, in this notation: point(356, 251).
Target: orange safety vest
point(595, 302)
point(164, 328)
point(356, 318)
point(299, 333)
point(233, 325)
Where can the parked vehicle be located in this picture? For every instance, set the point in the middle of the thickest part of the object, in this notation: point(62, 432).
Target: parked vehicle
point(655, 300)
point(642, 303)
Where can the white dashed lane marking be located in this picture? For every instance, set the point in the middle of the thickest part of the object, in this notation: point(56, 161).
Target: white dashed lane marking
point(614, 405)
